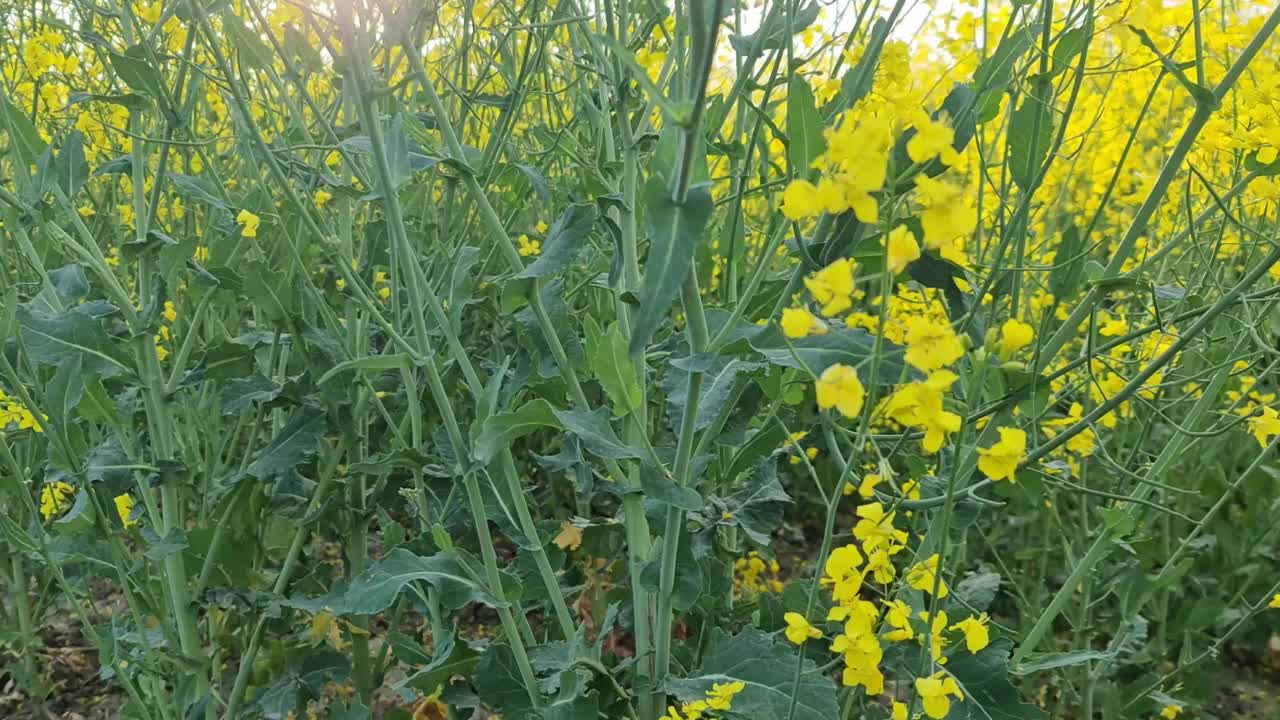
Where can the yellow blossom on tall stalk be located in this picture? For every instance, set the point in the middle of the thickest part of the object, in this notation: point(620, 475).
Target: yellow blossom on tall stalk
point(839, 387)
point(976, 634)
point(799, 630)
point(833, 287)
point(900, 249)
point(931, 344)
point(249, 223)
point(936, 692)
point(1001, 460)
point(56, 498)
point(1014, 335)
point(799, 322)
point(923, 576)
point(1265, 425)
point(124, 508)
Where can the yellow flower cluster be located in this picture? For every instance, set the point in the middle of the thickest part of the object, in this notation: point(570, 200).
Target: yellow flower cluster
point(753, 576)
point(15, 414)
point(719, 699)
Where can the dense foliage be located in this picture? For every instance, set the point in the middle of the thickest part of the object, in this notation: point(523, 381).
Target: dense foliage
point(783, 361)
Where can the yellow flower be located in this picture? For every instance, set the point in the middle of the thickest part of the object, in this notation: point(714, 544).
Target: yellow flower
point(840, 388)
point(528, 247)
point(799, 322)
point(922, 576)
point(934, 691)
point(832, 286)
point(169, 313)
point(946, 214)
point(1275, 602)
point(867, 488)
point(249, 223)
point(720, 696)
point(976, 635)
point(931, 138)
point(1000, 461)
point(124, 506)
point(1014, 335)
point(900, 249)
point(875, 529)
point(931, 344)
point(55, 498)
point(899, 711)
point(898, 617)
point(1265, 426)
point(800, 200)
point(843, 562)
point(1171, 712)
point(322, 197)
point(799, 630)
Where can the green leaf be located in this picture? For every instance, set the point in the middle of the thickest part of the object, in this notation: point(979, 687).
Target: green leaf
point(1052, 661)
point(63, 392)
point(1065, 278)
point(592, 427)
point(253, 51)
point(564, 241)
point(612, 366)
point(984, 680)
point(774, 32)
point(160, 547)
point(978, 590)
point(994, 74)
point(500, 430)
point(375, 589)
point(70, 170)
point(79, 519)
point(269, 290)
point(850, 346)
point(195, 189)
point(1031, 134)
point(393, 361)
point(137, 71)
point(719, 377)
point(804, 126)
point(241, 393)
point(500, 685)
point(353, 709)
point(660, 487)
point(296, 442)
point(689, 580)
point(18, 539)
point(303, 680)
point(154, 241)
point(1070, 43)
point(766, 666)
point(48, 339)
point(757, 508)
point(674, 232)
point(449, 658)
point(25, 141)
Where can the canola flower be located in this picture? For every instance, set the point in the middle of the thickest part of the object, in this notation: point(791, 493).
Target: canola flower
point(718, 699)
point(936, 692)
point(1001, 460)
point(839, 387)
point(56, 498)
point(249, 223)
point(799, 630)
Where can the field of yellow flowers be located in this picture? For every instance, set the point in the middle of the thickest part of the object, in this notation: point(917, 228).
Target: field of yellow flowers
point(657, 360)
